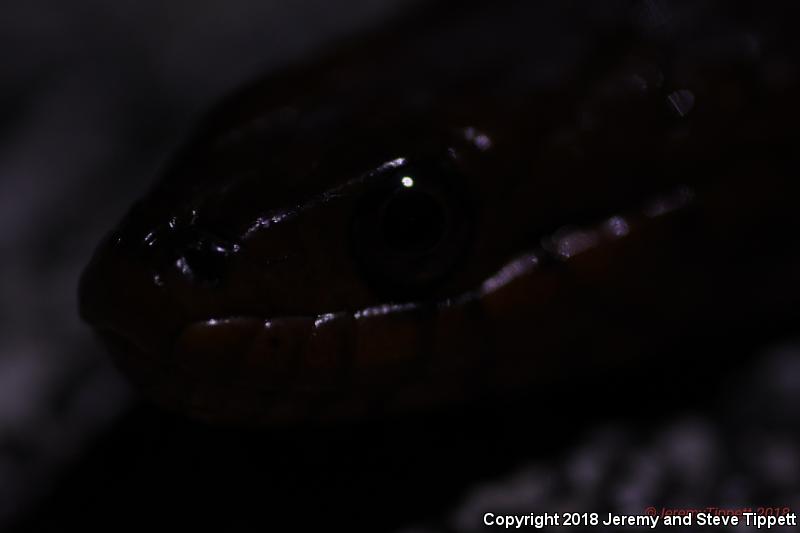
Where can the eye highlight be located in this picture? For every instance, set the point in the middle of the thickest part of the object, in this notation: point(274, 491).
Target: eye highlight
point(413, 220)
point(410, 228)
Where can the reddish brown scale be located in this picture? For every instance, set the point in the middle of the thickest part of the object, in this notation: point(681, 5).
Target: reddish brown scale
point(606, 195)
point(304, 366)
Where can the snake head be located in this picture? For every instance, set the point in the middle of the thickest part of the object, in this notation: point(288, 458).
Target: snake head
point(399, 227)
point(289, 224)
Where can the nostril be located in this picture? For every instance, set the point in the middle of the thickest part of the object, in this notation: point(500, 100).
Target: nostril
point(205, 260)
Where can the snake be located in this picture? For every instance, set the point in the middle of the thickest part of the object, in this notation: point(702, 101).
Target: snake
point(473, 198)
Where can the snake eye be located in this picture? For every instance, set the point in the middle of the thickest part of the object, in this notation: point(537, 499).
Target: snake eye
point(413, 220)
point(411, 227)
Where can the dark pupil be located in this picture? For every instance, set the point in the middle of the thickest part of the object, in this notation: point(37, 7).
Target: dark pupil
point(413, 221)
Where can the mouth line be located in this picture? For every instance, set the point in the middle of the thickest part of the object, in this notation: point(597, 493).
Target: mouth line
point(227, 365)
point(558, 247)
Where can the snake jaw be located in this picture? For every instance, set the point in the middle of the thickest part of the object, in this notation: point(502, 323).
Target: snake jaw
point(255, 370)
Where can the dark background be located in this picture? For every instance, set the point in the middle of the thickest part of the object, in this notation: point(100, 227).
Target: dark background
point(93, 98)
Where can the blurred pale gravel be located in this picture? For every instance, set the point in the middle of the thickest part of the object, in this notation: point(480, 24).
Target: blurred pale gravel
point(93, 95)
point(742, 453)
